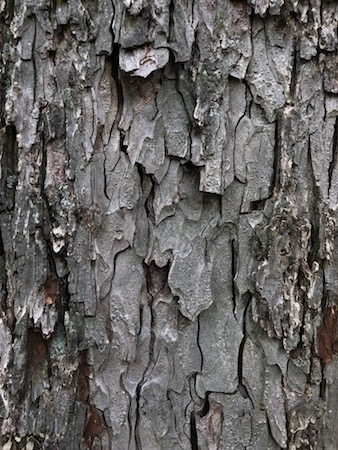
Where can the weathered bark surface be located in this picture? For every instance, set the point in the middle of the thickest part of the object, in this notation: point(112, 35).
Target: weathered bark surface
point(169, 186)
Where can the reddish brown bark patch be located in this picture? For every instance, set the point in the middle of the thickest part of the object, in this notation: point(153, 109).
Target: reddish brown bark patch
point(93, 425)
point(52, 291)
point(327, 339)
point(37, 348)
point(83, 380)
point(211, 424)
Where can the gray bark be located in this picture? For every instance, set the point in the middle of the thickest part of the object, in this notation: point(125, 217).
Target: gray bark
point(169, 187)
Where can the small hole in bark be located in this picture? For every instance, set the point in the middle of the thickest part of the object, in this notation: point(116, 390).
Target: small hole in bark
point(243, 391)
point(189, 167)
point(157, 278)
point(309, 436)
point(258, 205)
point(206, 407)
point(182, 321)
point(297, 352)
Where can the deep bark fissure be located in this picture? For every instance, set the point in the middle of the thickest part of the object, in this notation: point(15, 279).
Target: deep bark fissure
point(9, 172)
point(334, 158)
point(287, 414)
point(34, 61)
point(322, 389)
point(198, 342)
point(294, 73)
point(3, 277)
point(234, 256)
point(132, 437)
point(193, 432)
point(171, 14)
point(116, 74)
point(275, 178)
point(242, 389)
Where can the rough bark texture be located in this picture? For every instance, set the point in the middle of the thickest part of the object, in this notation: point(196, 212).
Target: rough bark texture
point(169, 187)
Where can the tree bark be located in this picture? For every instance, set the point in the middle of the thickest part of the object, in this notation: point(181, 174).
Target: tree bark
point(168, 251)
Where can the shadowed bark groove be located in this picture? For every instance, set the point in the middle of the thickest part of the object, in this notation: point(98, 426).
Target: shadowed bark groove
point(168, 244)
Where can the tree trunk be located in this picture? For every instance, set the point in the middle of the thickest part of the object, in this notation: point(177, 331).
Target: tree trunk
point(169, 186)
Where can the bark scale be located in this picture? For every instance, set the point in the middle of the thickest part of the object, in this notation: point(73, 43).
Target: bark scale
point(169, 187)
